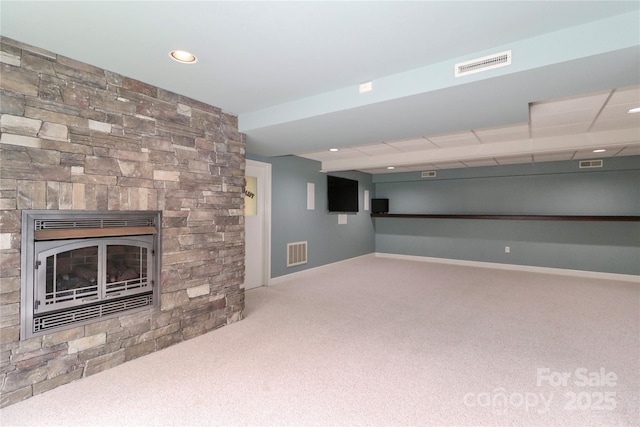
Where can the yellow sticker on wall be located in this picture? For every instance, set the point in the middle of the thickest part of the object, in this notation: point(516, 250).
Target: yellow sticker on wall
point(251, 196)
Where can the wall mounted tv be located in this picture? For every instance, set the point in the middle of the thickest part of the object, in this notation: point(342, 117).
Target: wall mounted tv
point(342, 194)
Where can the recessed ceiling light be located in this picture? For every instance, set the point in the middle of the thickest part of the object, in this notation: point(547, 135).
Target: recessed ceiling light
point(599, 150)
point(333, 149)
point(391, 167)
point(183, 57)
point(634, 110)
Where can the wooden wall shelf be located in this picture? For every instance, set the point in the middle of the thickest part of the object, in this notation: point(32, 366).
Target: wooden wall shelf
point(517, 217)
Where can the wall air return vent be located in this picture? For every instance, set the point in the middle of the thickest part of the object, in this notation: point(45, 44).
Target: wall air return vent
point(590, 164)
point(296, 253)
point(428, 174)
point(483, 64)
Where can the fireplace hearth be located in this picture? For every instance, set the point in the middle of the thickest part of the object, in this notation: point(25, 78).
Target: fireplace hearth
point(79, 267)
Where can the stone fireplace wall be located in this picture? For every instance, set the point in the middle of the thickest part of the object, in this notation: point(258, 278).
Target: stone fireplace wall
point(78, 137)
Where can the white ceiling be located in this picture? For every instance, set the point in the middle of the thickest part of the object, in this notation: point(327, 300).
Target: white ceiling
point(291, 70)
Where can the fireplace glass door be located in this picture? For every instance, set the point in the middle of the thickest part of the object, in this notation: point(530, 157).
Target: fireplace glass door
point(85, 271)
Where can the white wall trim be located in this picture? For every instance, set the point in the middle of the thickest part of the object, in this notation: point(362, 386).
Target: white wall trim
point(266, 191)
point(314, 270)
point(513, 267)
point(528, 268)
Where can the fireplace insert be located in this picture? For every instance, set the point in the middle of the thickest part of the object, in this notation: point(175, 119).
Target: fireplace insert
point(79, 267)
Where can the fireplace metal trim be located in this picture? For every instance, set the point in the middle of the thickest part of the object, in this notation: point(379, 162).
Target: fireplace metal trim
point(92, 232)
point(145, 224)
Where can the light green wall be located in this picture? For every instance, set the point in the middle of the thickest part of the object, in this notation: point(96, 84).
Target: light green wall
point(542, 188)
point(558, 188)
point(291, 221)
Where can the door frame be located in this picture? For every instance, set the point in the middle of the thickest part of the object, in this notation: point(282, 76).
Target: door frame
point(264, 188)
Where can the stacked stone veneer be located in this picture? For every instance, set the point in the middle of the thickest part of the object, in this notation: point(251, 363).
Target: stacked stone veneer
point(78, 137)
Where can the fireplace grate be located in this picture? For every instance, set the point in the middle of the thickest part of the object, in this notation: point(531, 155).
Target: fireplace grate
point(68, 224)
point(55, 320)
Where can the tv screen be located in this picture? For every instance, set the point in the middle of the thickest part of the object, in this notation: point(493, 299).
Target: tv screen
point(342, 194)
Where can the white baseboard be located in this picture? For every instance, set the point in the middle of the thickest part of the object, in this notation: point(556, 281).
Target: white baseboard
point(314, 270)
point(513, 267)
point(528, 268)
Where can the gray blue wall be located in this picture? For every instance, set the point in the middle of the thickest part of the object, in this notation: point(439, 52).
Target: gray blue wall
point(328, 241)
point(557, 188)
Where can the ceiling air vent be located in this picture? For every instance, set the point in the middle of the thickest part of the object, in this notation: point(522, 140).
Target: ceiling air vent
point(483, 64)
point(590, 164)
point(429, 174)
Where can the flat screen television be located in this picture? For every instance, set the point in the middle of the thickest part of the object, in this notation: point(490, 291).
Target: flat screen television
point(342, 194)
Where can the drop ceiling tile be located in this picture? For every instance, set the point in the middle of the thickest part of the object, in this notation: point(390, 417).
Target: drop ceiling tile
point(572, 117)
point(422, 167)
point(620, 109)
point(589, 154)
point(569, 129)
point(616, 150)
point(626, 95)
point(545, 115)
point(616, 117)
point(455, 139)
point(398, 169)
point(579, 103)
point(605, 124)
point(553, 157)
point(376, 149)
point(514, 160)
point(449, 165)
point(630, 150)
point(344, 153)
point(409, 145)
point(479, 162)
point(503, 134)
point(628, 136)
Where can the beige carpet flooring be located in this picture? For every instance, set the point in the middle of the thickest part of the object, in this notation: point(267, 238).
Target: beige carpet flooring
point(384, 342)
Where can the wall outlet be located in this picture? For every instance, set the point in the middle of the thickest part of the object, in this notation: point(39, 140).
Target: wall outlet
point(507, 249)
